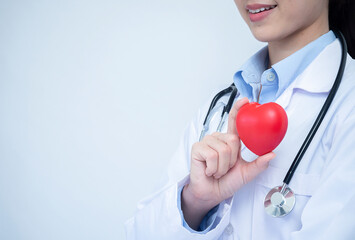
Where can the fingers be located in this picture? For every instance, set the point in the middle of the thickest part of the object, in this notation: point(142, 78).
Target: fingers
point(223, 156)
point(219, 151)
point(233, 115)
point(233, 143)
point(210, 156)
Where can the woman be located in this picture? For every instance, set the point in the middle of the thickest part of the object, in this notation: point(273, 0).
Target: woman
point(216, 186)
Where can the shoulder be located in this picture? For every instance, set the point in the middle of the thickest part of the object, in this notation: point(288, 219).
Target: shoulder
point(349, 72)
point(346, 90)
point(342, 109)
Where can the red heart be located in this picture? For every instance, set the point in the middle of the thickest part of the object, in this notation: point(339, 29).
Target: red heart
point(261, 127)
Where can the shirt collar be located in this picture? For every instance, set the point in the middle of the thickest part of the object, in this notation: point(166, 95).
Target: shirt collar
point(250, 72)
point(289, 68)
point(318, 77)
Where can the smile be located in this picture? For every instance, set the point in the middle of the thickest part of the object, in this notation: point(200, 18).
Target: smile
point(262, 9)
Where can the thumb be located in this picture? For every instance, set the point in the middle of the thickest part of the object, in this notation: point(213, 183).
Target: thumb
point(253, 169)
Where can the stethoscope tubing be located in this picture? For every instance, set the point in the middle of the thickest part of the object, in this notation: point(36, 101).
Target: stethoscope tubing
point(226, 109)
point(218, 96)
point(322, 112)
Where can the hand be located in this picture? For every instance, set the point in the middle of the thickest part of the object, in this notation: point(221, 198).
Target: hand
point(218, 170)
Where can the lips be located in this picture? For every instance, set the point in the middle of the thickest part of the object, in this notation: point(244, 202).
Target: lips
point(258, 12)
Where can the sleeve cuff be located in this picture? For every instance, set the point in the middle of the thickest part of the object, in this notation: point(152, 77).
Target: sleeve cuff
point(207, 221)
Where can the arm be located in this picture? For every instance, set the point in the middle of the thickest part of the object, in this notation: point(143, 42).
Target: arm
point(217, 172)
point(158, 216)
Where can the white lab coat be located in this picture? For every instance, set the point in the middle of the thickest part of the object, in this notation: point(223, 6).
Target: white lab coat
point(324, 182)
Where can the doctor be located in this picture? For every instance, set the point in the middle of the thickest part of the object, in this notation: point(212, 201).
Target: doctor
point(216, 187)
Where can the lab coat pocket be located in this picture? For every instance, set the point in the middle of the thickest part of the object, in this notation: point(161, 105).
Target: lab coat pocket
point(228, 233)
point(303, 186)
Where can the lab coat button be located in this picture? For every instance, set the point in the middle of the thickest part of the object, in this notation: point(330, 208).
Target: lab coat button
point(271, 77)
point(229, 229)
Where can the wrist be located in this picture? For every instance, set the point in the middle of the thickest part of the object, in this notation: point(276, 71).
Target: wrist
point(194, 199)
point(194, 208)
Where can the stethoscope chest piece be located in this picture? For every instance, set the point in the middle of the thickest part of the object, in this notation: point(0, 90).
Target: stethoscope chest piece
point(279, 201)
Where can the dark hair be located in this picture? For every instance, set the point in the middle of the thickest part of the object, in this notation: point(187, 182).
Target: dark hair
point(342, 18)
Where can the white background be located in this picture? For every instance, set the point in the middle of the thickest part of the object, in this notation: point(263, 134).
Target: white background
point(94, 96)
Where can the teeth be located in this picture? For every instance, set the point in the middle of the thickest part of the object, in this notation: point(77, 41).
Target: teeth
point(261, 9)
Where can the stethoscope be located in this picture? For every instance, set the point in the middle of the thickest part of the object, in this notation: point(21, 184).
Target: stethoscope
point(280, 200)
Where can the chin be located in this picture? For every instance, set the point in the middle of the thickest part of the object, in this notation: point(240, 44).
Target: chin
point(262, 36)
point(265, 35)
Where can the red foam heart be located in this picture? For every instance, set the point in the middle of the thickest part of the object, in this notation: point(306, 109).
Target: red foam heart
point(261, 127)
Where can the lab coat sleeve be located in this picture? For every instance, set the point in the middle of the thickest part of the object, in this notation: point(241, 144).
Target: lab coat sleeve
point(330, 213)
point(207, 221)
point(158, 216)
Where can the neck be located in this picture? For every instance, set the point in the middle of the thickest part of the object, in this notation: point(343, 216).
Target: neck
point(278, 50)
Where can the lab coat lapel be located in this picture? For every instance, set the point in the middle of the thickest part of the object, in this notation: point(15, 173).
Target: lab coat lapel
point(318, 77)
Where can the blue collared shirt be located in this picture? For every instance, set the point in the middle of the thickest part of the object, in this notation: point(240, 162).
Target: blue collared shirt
point(254, 76)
